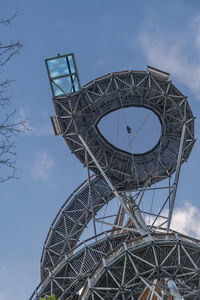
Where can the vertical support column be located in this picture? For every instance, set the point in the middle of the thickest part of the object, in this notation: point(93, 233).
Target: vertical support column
point(137, 213)
point(51, 287)
point(91, 201)
point(178, 168)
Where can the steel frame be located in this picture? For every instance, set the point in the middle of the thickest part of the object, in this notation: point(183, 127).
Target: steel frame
point(76, 262)
point(71, 220)
point(171, 255)
point(126, 271)
point(79, 114)
point(132, 260)
point(76, 213)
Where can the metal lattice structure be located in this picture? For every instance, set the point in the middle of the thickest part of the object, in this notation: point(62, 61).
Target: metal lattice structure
point(132, 253)
point(79, 113)
point(125, 272)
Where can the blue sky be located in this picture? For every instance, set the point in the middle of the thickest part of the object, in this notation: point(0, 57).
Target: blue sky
point(106, 36)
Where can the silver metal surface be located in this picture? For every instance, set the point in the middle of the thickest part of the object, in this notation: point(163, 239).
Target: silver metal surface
point(136, 259)
point(80, 113)
point(141, 263)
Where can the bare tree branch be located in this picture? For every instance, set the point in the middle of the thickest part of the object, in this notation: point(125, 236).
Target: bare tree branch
point(10, 126)
point(7, 51)
point(8, 21)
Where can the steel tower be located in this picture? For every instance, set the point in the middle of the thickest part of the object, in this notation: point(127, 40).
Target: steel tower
point(137, 256)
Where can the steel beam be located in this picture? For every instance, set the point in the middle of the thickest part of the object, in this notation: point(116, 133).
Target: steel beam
point(129, 213)
point(178, 168)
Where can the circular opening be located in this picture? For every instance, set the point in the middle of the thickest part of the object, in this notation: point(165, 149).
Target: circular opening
point(132, 129)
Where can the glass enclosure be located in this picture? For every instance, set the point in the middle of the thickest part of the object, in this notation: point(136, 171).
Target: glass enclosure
point(63, 74)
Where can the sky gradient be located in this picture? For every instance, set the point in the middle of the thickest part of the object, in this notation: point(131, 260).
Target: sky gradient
point(105, 36)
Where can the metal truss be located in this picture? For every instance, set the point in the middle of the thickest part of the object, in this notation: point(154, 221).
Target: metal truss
point(76, 213)
point(134, 257)
point(72, 219)
point(143, 266)
point(79, 114)
point(121, 266)
point(69, 274)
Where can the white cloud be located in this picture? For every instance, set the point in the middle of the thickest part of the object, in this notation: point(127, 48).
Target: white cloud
point(42, 128)
point(177, 54)
point(187, 220)
point(41, 167)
